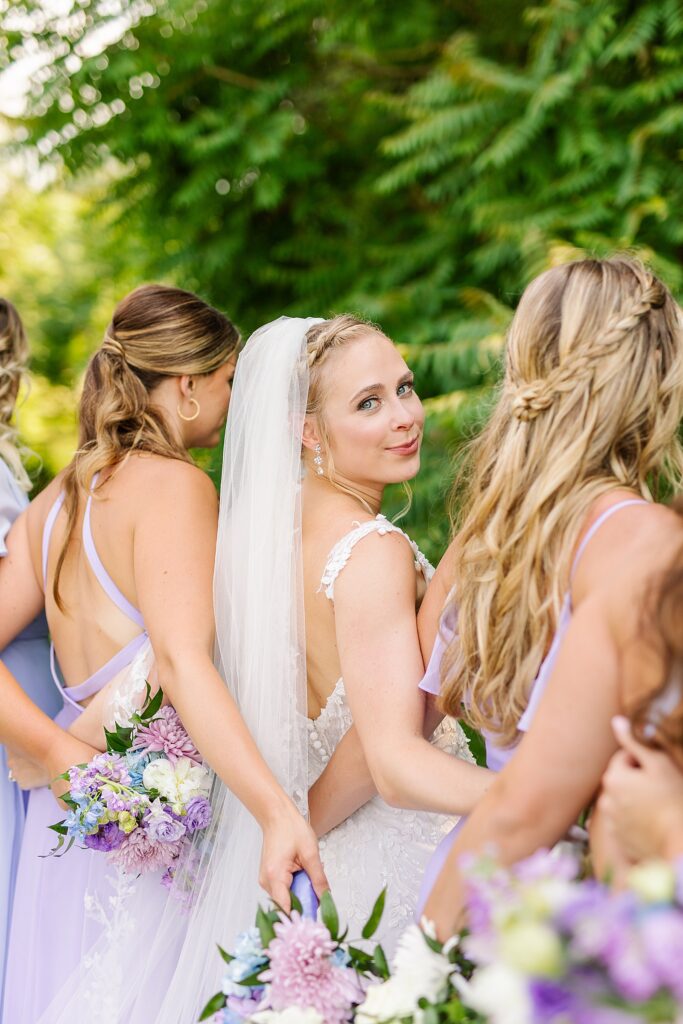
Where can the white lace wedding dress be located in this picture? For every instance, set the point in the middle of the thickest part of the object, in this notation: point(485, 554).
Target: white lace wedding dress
point(378, 845)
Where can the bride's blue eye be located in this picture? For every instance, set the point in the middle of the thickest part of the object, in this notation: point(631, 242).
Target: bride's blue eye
point(405, 388)
point(366, 404)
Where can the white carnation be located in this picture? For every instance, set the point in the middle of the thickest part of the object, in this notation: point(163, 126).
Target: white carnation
point(499, 993)
point(418, 972)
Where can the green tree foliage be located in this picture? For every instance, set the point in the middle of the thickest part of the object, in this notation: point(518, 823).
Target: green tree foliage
point(416, 164)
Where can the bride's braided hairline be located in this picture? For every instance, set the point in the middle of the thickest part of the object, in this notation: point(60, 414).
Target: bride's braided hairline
point(533, 397)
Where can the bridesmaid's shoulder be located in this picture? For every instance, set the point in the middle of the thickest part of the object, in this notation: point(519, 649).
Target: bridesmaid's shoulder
point(156, 479)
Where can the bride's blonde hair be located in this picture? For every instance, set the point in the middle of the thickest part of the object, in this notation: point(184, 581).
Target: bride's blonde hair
point(13, 360)
point(591, 400)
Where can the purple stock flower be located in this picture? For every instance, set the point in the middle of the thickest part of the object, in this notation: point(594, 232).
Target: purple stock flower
point(166, 734)
point(551, 1000)
point(662, 940)
point(197, 814)
point(108, 837)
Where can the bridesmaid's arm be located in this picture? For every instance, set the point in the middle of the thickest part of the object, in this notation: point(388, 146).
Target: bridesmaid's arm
point(21, 595)
point(26, 729)
point(556, 769)
point(174, 549)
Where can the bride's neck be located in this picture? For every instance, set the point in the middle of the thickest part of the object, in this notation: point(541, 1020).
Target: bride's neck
point(367, 497)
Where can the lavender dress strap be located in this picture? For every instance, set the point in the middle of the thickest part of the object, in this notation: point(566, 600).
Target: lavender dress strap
point(592, 530)
point(47, 532)
point(103, 577)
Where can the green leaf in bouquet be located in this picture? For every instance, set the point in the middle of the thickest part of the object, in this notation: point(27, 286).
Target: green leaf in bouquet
point(265, 927)
point(379, 961)
point(375, 916)
point(119, 741)
point(360, 960)
point(228, 957)
point(151, 706)
point(328, 912)
point(253, 980)
point(213, 1006)
point(60, 828)
point(295, 903)
point(430, 1014)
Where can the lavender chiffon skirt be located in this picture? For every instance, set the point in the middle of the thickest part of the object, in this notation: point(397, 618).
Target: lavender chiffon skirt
point(27, 658)
point(51, 928)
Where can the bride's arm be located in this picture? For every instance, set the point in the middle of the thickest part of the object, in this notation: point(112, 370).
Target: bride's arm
point(382, 665)
point(174, 549)
point(346, 782)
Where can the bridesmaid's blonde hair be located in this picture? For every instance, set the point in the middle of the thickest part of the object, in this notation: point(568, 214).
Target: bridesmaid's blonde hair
point(156, 332)
point(591, 401)
point(13, 360)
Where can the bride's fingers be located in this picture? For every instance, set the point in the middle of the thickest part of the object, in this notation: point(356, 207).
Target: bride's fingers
point(312, 865)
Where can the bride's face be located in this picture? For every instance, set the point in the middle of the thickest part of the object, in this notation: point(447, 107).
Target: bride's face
point(373, 417)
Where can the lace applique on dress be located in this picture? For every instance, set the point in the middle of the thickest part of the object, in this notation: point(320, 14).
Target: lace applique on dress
point(341, 552)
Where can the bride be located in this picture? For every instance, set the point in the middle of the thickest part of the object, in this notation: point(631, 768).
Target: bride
point(315, 603)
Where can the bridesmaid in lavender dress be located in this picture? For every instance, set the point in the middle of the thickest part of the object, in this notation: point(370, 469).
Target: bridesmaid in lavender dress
point(27, 656)
point(559, 542)
point(120, 549)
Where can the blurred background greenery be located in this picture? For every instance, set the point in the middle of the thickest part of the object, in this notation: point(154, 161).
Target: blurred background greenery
point(416, 163)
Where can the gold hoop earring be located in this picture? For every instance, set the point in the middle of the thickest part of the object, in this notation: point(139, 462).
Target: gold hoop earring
point(188, 419)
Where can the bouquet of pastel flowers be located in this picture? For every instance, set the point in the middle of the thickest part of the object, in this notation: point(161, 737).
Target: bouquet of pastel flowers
point(544, 947)
point(297, 968)
point(142, 800)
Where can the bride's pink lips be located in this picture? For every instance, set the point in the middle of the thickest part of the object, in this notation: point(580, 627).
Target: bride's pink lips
point(406, 449)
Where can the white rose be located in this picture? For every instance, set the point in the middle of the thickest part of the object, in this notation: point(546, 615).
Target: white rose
point(292, 1015)
point(418, 972)
point(532, 947)
point(499, 993)
point(159, 775)
point(654, 881)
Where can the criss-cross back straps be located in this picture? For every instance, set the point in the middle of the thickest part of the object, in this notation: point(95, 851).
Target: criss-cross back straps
point(602, 518)
point(341, 552)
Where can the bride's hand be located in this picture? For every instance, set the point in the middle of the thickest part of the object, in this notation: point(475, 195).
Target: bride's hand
point(289, 844)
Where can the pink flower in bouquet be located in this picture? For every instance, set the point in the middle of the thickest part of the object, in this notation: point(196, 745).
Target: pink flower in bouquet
point(302, 973)
point(139, 853)
point(165, 734)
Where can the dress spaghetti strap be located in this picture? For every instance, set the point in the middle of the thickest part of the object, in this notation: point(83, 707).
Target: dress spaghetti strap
point(602, 518)
point(341, 552)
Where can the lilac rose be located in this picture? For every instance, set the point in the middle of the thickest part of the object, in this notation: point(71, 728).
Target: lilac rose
point(198, 814)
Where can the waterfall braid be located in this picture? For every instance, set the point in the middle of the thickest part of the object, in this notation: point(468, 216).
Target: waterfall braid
point(13, 360)
point(156, 332)
point(591, 401)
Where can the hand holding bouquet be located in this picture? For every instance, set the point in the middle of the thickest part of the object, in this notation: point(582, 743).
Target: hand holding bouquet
point(142, 800)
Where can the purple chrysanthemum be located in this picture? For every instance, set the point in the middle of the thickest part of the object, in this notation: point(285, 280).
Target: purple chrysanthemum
point(302, 974)
point(140, 854)
point(166, 734)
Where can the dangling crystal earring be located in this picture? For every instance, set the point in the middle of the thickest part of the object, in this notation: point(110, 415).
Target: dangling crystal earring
point(318, 459)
